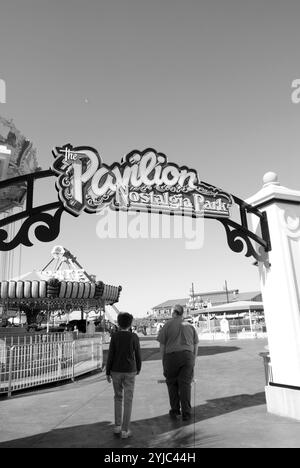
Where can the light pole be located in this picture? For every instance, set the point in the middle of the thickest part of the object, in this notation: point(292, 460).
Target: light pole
point(250, 320)
point(193, 296)
point(226, 289)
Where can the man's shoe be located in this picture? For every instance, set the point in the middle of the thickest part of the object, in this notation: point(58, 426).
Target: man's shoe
point(186, 417)
point(126, 434)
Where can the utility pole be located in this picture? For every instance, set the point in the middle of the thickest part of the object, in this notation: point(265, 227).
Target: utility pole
point(226, 289)
point(193, 296)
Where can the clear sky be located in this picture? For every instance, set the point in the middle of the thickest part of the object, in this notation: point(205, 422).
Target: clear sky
point(208, 83)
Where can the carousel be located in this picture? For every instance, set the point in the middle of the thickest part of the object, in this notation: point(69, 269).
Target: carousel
point(50, 295)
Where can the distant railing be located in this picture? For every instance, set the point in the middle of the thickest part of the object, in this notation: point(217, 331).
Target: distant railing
point(209, 331)
point(105, 336)
point(42, 362)
point(204, 326)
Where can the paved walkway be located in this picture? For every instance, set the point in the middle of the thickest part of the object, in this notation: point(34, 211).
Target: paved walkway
point(230, 408)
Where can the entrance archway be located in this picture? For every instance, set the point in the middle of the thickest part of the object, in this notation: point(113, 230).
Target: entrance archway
point(267, 229)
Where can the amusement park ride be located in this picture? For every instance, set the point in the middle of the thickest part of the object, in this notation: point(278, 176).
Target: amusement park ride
point(66, 267)
point(60, 291)
point(17, 158)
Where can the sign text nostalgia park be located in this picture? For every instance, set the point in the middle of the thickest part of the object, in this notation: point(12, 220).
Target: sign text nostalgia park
point(143, 181)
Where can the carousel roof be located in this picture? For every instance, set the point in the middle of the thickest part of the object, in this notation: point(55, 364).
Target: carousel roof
point(67, 286)
point(58, 294)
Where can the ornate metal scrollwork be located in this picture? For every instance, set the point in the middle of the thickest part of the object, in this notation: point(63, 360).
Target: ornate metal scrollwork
point(42, 233)
point(240, 238)
point(48, 224)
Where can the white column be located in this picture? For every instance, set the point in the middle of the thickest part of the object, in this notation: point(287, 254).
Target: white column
point(280, 285)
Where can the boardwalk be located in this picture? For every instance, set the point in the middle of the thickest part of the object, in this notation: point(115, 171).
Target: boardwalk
point(230, 408)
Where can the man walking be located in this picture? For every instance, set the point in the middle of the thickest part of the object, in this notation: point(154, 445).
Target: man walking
point(179, 347)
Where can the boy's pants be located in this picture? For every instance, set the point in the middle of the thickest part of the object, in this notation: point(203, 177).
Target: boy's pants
point(123, 381)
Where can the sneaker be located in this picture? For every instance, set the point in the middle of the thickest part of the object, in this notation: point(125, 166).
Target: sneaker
point(126, 434)
point(117, 430)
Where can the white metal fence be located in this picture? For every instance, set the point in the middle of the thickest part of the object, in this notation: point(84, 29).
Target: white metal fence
point(211, 330)
point(29, 365)
point(34, 338)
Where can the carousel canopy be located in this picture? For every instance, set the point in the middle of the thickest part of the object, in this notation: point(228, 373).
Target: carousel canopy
point(67, 286)
point(56, 294)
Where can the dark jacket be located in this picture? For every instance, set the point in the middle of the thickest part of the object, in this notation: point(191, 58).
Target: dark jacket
point(124, 353)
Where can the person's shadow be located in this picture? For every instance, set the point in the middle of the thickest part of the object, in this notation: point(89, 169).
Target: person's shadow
point(159, 431)
point(153, 353)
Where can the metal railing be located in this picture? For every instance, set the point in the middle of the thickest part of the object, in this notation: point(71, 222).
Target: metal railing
point(87, 355)
point(34, 338)
point(30, 365)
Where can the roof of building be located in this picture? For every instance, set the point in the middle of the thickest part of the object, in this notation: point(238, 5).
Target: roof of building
point(214, 297)
point(217, 297)
point(255, 296)
point(171, 303)
point(239, 306)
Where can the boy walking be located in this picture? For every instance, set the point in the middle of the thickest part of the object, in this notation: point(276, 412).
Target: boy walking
point(123, 364)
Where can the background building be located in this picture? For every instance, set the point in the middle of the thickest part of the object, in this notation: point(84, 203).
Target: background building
point(206, 300)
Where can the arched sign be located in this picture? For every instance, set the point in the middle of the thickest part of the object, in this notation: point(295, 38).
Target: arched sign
point(143, 181)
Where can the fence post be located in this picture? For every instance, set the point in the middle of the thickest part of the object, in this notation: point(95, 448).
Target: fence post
point(101, 354)
point(93, 357)
point(73, 359)
point(11, 353)
point(59, 359)
point(31, 354)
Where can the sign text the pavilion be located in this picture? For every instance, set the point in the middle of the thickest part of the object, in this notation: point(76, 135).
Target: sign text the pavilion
point(143, 181)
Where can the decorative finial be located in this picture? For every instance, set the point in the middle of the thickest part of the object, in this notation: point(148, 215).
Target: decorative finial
point(270, 178)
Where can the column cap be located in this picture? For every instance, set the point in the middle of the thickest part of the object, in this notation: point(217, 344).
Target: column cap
point(272, 191)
